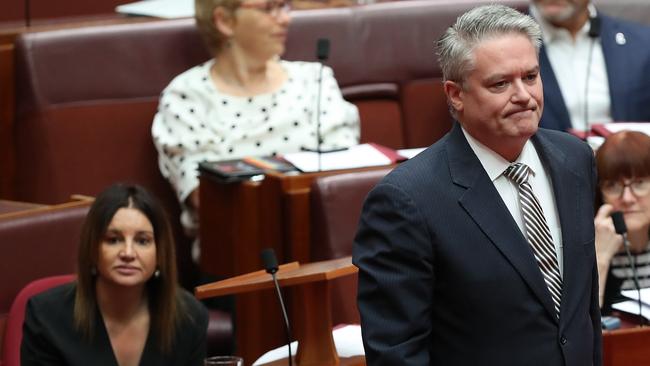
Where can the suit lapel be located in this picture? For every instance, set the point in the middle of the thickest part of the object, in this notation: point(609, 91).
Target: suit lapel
point(566, 189)
point(484, 205)
point(555, 115)
point(616, 63)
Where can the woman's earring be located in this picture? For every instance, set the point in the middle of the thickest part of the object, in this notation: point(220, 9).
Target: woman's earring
point(156, 274)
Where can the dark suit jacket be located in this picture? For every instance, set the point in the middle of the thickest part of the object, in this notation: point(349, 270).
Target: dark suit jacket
point(50, 338)
point(447, 278)
point(628, 67)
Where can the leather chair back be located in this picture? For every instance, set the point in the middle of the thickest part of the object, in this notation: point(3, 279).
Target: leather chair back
point(14, 330)
point(336, 203)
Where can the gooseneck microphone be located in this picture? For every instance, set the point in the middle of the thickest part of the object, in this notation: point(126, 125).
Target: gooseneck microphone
point(594, 33)
point(322, 54)
point(271, 266)
point(621, 229)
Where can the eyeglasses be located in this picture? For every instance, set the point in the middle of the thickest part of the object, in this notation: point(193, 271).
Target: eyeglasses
point(271, 7)
point(614, 189)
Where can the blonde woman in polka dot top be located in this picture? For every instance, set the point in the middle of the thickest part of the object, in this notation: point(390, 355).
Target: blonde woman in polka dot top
point(244, 101)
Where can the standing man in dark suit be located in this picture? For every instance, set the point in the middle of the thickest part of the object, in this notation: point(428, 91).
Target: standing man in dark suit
point(480, 250)
point(594, 68)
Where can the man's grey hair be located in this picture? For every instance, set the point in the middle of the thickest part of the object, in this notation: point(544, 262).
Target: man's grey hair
point(455, 48)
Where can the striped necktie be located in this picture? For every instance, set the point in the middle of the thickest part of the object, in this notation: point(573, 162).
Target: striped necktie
point(537, 231)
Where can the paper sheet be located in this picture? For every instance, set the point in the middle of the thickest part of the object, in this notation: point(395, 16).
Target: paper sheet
point(168, 9)
point(409, 153)
point(347, 340)
point(634, 295)
point(359, 156)
point(632, 126)
point(632, 307)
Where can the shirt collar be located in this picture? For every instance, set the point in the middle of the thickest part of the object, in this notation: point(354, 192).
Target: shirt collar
point(552, 33)
point(494, 164)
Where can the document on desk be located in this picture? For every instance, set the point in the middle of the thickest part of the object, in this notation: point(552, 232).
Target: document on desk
point(168, 9)
point(632, 306)
point(606, 129)
point(358, 156)
point(634, 295)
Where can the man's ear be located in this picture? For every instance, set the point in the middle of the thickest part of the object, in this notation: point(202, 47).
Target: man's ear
point(224, 20)
point(454, 92)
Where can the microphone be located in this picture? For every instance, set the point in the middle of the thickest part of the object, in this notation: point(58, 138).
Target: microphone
point(322, 54)
point(322, 49)
point(270, 263)
point(594, 32)
point(619, 224)
point(594, 26)
point(621, 229)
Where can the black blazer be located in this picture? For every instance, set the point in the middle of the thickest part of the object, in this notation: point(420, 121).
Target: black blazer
point(50, 338)
point(447, 278)
point(627, 64)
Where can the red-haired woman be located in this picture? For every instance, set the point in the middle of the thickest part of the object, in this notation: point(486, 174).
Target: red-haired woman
point(623, 163)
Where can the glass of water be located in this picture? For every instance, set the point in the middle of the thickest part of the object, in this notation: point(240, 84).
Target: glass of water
point(224, 361)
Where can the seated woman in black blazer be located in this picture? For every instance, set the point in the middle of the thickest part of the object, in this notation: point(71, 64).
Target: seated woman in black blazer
point(125, 307)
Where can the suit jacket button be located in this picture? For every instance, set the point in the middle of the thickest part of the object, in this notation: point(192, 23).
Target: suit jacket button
point(563, 340)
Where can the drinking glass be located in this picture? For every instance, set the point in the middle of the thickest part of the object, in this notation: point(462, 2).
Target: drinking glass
point(224, 361)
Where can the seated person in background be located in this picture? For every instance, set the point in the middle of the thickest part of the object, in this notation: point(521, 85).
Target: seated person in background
point(623, 163)
point(125, 307)
point(244, 101)
point(593, 66)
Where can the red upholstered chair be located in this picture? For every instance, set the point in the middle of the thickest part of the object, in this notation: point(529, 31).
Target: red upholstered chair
point(336, 203)
point(219, 326)
point(14, 330)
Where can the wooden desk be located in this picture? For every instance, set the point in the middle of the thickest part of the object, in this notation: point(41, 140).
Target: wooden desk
point(628, 346)
point(11, 207)
point(237, 221)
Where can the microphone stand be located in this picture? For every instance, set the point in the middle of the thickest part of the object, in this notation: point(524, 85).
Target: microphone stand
point(322, 54)
point(594, 33)
point(318, 132)
point(271, 266)
point(635, 277)
point(586, 110)
point(619, 226)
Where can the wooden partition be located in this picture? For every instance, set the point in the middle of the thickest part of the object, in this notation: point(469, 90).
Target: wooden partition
point(626, 347)
point(314, 330)
point(237, 221)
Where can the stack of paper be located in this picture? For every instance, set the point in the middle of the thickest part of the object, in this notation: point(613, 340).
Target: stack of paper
point(607, 129)
point(632, 306)
point(359, 156)
point(168, 9)
point(347, 340)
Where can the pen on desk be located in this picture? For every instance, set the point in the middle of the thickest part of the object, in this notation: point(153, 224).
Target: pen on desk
point(258, 163)
point(324, 151)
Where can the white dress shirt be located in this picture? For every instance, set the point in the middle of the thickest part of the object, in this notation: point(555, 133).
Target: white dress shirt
point(494, 165)
point(569, 59)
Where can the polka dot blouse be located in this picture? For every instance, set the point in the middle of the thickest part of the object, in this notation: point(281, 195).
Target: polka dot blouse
point(196, 122)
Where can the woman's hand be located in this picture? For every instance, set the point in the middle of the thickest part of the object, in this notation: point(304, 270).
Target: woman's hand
point(608, 242)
